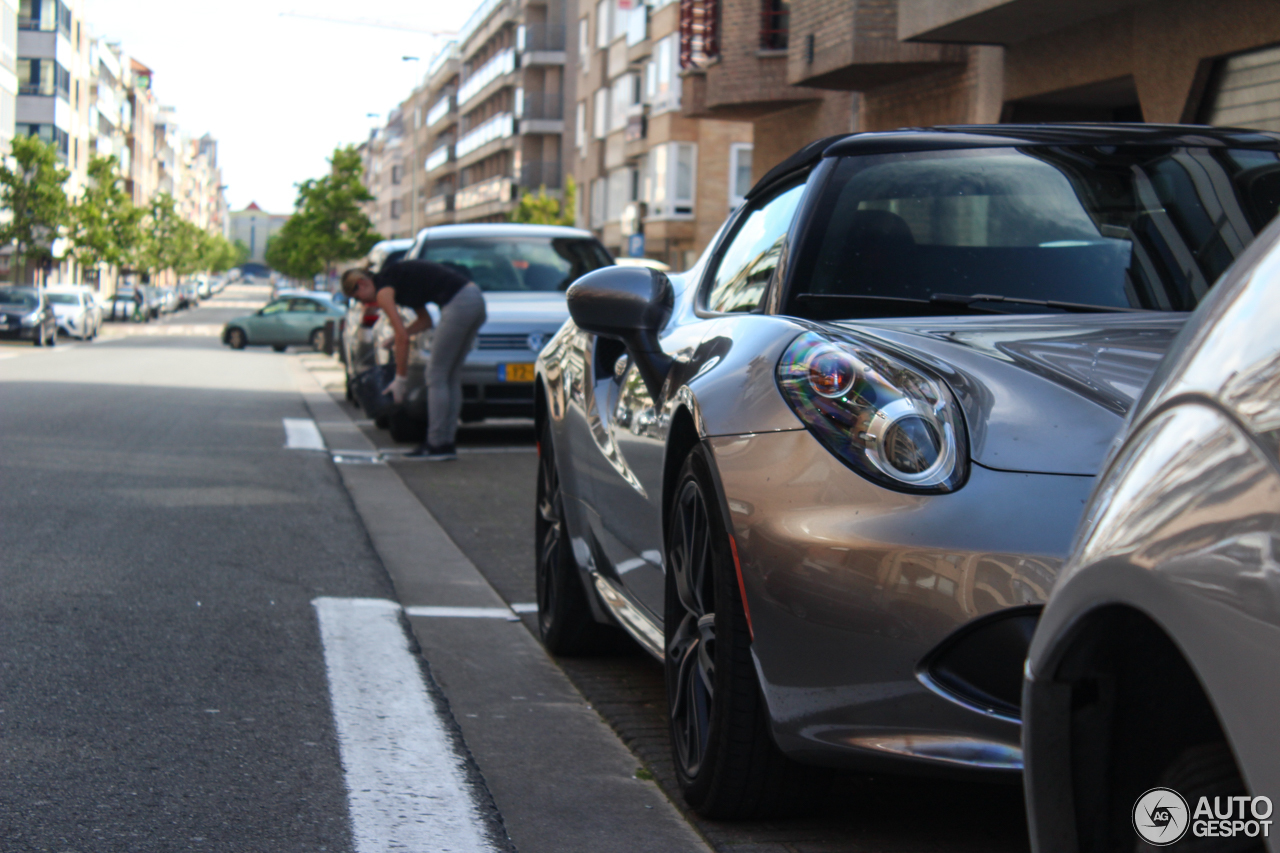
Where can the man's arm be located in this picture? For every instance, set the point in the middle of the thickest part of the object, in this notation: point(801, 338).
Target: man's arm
point(387, 302)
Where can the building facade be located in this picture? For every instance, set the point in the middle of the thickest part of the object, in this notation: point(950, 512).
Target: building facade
point(253, 227)
point(654, 180)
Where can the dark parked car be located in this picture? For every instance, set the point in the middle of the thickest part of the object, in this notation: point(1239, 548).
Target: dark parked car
point(26, 314)
point(523, 271)
point(1154, 666)
point(829, 476)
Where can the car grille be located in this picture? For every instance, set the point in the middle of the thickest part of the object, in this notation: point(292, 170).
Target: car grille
point(491, 342)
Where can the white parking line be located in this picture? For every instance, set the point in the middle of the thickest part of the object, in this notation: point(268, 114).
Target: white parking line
point(405, 786)
point(525, 607)
point(302, 434)
point(464, 612)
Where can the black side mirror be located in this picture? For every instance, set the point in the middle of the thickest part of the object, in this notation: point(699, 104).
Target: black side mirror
point(629, 304)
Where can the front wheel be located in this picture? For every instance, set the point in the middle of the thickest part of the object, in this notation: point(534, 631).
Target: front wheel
point(565, 623)
point(727, 764)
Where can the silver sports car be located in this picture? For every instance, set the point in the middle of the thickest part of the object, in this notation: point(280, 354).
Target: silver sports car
point(829, 475)
point(1154, 677)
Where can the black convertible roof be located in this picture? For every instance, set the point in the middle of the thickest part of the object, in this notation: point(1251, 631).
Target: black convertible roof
point(1020, 135)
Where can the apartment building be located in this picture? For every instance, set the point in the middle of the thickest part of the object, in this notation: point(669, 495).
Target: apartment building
point(253, 227)
point(440, 127)
point(8, 72)
point(53, 81)
point(654, 180)
point(510, 106)
point(142, 179)
point(383, 155)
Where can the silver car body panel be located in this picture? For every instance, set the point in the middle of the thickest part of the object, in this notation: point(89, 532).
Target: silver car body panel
point(1184, 527)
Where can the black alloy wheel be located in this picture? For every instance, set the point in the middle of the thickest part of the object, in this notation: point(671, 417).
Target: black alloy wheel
point(236, 338)
point(565, 623)
point(727, 764)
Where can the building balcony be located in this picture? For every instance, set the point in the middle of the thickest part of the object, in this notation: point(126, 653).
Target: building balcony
point(856, 46)
point(541, 173)
point(995, 21)
point(539, 105)
point(442, 108)
point(499, 126)
point(501, 64)
point(540, 38)
point(439, 204)
point(496, 189)
point(439, 158)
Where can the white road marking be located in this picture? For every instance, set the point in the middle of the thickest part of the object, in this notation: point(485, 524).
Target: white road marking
point(464, 612)
point(302, 434)
point(405, 785)
point(525, 607)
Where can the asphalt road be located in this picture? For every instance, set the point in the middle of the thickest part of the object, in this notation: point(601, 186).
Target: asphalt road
point(162, 685)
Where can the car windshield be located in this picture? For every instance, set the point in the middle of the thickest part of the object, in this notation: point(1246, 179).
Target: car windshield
point(18, 298)
point(1115, 227)
point(63, 298)
point(546, 264)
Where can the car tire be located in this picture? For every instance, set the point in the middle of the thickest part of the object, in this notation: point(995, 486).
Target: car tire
point(405, 429)
point(52, 340)
point(726, 762)
point(382, 421)
point(279, 347)
point(38, 340)
point(565, 623)
point(317, 340)
point(236, 338)
point(1205, 770)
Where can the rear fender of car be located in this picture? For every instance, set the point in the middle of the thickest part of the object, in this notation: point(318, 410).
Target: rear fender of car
point(1164, 629)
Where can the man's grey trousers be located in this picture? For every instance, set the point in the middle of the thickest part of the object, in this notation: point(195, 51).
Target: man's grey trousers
point(460, 320)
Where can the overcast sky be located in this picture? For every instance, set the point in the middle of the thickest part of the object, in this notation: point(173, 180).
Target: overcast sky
point(278, 92)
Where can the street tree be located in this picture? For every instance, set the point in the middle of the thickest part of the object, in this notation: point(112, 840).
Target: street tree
point(32, 189)
point(328, 224)
point(542, 209)
point(104, 222)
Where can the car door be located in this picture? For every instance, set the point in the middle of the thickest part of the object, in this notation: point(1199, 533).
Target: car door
point(270, 326)
point(631, 435)
point(303, 317)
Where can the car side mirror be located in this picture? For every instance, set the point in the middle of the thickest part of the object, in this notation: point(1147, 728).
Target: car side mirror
point(628, 304)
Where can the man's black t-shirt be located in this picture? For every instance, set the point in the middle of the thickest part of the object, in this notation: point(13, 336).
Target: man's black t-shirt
point(418, 282)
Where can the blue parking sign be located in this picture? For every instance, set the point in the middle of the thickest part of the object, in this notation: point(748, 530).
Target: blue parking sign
point(635, 246)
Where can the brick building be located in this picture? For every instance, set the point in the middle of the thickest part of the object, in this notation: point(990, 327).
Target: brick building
point(653, 180)
point(809, 68)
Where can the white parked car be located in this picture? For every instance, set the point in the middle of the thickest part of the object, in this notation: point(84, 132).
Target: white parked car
point(77, 310)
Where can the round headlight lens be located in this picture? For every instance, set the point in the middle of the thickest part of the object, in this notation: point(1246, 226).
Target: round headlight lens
point(831, 372)
point(912, 445)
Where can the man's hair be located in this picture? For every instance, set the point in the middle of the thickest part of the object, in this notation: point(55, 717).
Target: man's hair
point(351, 280)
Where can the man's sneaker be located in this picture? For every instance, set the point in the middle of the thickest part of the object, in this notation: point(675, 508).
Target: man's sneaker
point(446, 453)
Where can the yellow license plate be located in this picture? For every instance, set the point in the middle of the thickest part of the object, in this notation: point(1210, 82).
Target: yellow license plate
point(515, 372)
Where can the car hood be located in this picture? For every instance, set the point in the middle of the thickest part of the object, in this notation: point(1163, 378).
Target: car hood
point(524, 311)
point(1040, 394)
point(66, 310)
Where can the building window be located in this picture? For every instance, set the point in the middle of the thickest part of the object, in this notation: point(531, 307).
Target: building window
point(45, 15)
point(666, 94)
point(672, 180)
point(603, 9)
point(43, 77)
point(739, 173)
point(600, 114)
point(619, 18)
point(395, 208)
point(598, 202)
point(397, 173)
point(619, 193)
point(580, 128)
point(52, 134)
point(775, 21)
point(584, 44)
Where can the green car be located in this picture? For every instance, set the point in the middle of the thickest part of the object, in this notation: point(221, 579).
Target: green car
point(282, 322)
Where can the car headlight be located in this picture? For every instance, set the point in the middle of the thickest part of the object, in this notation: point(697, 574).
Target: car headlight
point(32, 319)
point(888, 421)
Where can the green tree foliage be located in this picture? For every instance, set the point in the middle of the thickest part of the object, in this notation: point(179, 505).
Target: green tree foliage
point(327, 225)
point(32, 189)
point(542, 209)
point(104, 223)
point(218, 254)
point(242, 252)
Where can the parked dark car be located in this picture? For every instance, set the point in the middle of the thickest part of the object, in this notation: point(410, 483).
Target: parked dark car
point(829, 476)
point(1154, 665)
point(523, 271)
point(25, 314)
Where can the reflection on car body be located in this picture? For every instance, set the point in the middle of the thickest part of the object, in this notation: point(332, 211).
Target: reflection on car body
point(837, 465)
